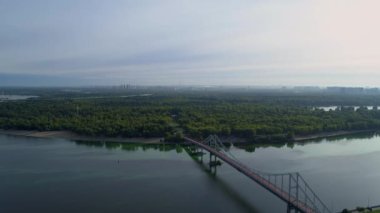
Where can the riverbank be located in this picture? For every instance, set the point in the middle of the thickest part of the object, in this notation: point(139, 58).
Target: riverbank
point(328, 134)
point(73, 136)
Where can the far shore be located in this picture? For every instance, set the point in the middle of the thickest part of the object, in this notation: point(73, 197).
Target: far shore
point(328, 134)
point(76, 137)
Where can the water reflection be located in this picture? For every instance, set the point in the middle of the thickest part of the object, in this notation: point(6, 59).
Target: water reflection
point(252, 147)
point(247, 147)
point(131, 147)
point(342, 170)
point(350, 137)
point(179, 148)
point(225, 187)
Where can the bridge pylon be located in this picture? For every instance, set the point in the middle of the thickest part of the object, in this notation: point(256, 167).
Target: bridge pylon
point(214, 142)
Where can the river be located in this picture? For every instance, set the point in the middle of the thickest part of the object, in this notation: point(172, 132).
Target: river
point(57, 175)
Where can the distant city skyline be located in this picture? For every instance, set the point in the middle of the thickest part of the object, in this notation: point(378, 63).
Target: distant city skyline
point(162, 42)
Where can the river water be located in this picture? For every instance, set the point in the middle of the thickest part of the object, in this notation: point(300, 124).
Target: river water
point(56, 175)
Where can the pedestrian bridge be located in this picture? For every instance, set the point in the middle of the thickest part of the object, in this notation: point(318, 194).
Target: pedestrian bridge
point(289, 187)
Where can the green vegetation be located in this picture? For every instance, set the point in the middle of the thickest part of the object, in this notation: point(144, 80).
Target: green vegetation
point(280, 121)
point(108, 118)
point(256, 117)
point(361, 209)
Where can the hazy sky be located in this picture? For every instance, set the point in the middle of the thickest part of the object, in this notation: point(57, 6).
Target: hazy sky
point(229, 42)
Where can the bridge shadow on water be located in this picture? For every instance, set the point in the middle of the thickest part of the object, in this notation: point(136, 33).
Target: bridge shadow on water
point(223, 185)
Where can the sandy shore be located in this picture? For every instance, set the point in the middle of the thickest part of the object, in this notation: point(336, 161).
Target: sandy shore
point(73, 136)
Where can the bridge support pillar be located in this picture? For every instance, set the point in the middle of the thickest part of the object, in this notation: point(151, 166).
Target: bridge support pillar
point(291, 209)
point(202, 155)
point(213, 163)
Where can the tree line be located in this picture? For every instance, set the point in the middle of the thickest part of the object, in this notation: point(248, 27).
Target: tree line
point(169, 116)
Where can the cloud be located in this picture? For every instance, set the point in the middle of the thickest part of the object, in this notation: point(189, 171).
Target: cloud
point(166, 42)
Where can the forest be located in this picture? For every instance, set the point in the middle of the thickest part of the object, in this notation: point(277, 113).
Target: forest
point(255, 117)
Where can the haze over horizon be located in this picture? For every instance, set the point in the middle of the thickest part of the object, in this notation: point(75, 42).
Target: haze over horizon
point(147, 42)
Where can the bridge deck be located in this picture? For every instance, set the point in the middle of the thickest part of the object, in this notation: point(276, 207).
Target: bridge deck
point(283, 195)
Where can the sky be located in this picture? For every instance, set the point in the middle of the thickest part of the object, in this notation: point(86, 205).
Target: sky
point(190, 42)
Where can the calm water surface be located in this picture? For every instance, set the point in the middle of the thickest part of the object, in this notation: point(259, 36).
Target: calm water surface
point(55, 175)
point(333, 108)
point(15, 97)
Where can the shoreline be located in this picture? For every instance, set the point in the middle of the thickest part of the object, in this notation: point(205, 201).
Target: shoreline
point(329, 135)
point(76, 137)
point(141, 140)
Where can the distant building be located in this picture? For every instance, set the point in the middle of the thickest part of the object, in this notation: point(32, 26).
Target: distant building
point(353, 90)
point(345, 90)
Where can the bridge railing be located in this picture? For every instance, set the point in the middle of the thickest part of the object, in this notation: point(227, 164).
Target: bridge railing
point(297, 189)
